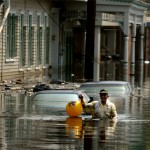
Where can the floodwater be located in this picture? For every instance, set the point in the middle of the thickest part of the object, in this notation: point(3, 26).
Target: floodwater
point(25, 127)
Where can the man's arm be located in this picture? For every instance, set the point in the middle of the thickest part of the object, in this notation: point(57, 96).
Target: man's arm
point(113, 111)
point(84, 104)
point(82, 101)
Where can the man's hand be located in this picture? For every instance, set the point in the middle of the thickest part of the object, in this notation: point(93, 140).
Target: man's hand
point(82, 101)
point(81, 96)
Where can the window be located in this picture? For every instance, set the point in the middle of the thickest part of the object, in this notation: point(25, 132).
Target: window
point(30, 42)
point(11, 51)
point(39, 41)
point(22, 42)
point(46, 40)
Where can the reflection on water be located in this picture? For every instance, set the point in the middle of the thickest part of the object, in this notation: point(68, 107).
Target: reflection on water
point(98, 133)
point(25, 127)
point(74, 127)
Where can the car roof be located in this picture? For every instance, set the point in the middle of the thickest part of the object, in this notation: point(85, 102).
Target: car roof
point(60, 91)
point(105, 82)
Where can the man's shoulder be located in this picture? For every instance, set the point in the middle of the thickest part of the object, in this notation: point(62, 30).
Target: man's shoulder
point(95, 102)
point(111, 103)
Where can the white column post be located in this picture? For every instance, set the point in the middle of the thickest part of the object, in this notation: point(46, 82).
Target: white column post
point(133, 42)
point(133, 50)
point(126, 43)
point(126, 38)
point(141, 53)
point(125, 72)
point(140, 77)
point(141, 57)
point(96, 75)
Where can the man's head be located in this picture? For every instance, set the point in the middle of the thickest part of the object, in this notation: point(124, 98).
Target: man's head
point(103, 95)
point(103, 91)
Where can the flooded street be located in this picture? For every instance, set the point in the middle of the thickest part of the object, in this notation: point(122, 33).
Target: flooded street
point(24, 126)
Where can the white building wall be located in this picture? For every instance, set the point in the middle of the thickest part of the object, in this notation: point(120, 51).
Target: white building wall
point(12, 67)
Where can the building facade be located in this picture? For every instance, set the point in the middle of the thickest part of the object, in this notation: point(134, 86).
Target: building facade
point(42, 40)
point(25, 39)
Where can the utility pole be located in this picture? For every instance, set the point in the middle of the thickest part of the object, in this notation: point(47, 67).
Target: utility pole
point(90, 28)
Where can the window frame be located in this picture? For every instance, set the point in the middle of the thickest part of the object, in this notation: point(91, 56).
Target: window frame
point(30, 40)
point(22, 41)
point(11, 49)
point(46, 41)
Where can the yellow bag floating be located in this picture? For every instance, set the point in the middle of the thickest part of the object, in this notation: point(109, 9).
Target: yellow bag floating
point(74, 108)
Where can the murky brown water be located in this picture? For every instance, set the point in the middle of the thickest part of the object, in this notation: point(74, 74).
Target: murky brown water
point(24, 126)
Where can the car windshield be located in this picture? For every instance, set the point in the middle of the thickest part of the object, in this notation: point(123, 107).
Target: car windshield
point(54, 99)
point(112, 89)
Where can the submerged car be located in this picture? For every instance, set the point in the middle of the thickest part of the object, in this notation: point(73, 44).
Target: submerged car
point(55, 101)
point(115, 88)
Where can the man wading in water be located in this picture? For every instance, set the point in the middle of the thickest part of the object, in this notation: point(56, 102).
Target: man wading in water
point(103, 109)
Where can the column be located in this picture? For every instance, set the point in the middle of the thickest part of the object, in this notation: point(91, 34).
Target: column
point(125, 72)
point(147, 44)
point(132, 65)
point(126, 43)
point(55, 59)
point(83, 53)
point(96, 75)
point(140, 77)
point(133, 50)
point(126, 33)
point(133, 42)
point(141, 55)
